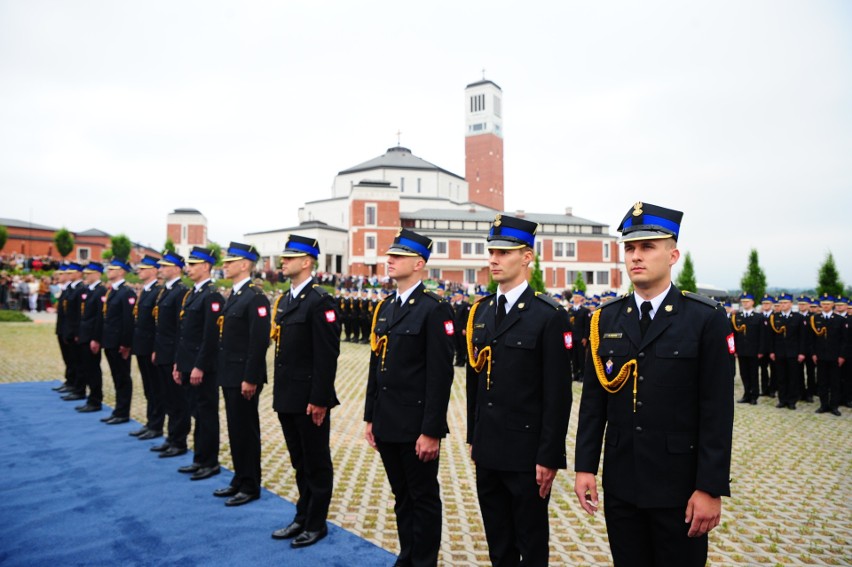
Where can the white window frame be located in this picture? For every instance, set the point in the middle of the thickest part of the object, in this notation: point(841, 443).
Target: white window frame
point(375, 208)
point(606, 251)
point(374, 236)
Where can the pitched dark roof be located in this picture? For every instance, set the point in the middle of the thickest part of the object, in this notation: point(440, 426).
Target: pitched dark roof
point(186, 212)
point(484, 82)
point(398, 158)
point(480, 215)
point(16, 223)
point(304, 226)
point(92, 232)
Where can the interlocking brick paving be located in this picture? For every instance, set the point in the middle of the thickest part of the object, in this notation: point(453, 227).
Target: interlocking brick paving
point(792, 472)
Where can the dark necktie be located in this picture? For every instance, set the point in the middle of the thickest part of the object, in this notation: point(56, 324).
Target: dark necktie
point(645, 321)
point(501, 309)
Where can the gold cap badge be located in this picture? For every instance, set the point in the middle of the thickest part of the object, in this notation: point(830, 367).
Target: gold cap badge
point(497, 221)
point(637, 209)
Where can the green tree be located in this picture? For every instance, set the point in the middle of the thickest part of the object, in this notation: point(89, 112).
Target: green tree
point(64, 241)
point(107, 254)
point(169, 245)
point(537, 279)
point(492, 285)
point(686, 277)
point(4, 236)
point(121, 246)
point(829, 279)
point(754, 279)
point(580, 283)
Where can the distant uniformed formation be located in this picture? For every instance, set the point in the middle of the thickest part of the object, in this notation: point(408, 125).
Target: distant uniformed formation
point(657, 370)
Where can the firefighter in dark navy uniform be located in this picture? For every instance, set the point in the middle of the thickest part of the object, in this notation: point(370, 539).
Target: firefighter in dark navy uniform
point(518, 398)
point(143, 346)
point(787, 351)
point(243, 340)
point(749, 338)
point(92, 299)
point(196, 361)
point(828, 339)
point(306, 334)
point(659, 384)
point(116, 331)
point(408, 390)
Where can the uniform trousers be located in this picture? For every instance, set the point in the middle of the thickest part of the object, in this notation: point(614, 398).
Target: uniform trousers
point(203, 404)
point(244, 435)
point(786, 375)
point(120, 369)
point(651, 537)
point(69, 358)
point(176, 407)
point(310, 456)
point(828, 383)
point(846, 383)
point(417, 503)
point(767, 380)
point(748, 374)
point(155, 412)
point(578, 359)
point(810, 387)
point(515, 517)
point(90, 374)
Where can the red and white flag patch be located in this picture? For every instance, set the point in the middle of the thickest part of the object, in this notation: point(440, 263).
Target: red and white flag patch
point(215, 307)
point(732, 348)
point(330, 316)
point(261, 311)
point(103, 299)
point(131, 300)
point(569, 340)
point(449, 328)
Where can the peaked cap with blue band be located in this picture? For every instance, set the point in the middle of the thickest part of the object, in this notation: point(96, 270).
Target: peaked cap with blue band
point(511, 233)
point(409, 243)
point(646, 222)
point(198, 255)
point(785, 297)
point(148, 262)
point(746, 295)
point(93, 267)
point(171, 259)
point(301, 246)
point(74, 267)
point(826, 298)
point(119, 263)
point(240, 251)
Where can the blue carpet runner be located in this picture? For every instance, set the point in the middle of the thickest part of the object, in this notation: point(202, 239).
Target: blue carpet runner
point(74, 491)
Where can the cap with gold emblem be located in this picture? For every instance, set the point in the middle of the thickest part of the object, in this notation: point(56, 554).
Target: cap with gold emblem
point(646, 222)
point(199, 255)
point(171, 259)
point(240, 251)
point(510, 233)
point(300, 246)
point(409, 243)
point(121, 263)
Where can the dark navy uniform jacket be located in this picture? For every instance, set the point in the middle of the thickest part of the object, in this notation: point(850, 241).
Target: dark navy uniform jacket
point(117, 321)
point(408, 387)
point(307, 343)
point(828, 337)
point(749, 333)
point(91, 311)
point(143, 334)
point(520, 420)
point(679, 437)
point(168, 319)
point(198, 337)
point(244, 338)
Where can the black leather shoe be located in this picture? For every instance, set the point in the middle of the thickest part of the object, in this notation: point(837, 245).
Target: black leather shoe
point(161, 448)
point(836, 412)
point(821, 410)
point(809, 399)
point(205, 472)
point(107, 418)
point(150, 434)
point(743, 401)
point(189, 468)
point(305, 539)
point(89, 408)
point(138, 432)
point(115, 420)
point(780, 405)
point(72, 397)
point(227, 491)
point(241, 498)
point(292, 530)
point(791, 406)
point(173, 452)
point(753, 402)
point(62, 388)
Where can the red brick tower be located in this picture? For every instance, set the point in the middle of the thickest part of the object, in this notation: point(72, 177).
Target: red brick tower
point(483, 143)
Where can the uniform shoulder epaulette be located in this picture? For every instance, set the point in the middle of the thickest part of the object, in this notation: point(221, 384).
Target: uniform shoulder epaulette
point(701, 299)
point(615, 301)
point(484, 297)
point(433, 295)
point(319, 289)
point(547, 299)
point(256, 289)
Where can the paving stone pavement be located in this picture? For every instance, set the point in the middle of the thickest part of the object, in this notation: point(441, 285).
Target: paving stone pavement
point(792, 472)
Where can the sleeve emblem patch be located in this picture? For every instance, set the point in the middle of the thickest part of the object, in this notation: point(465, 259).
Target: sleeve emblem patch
point(131, 300)
point(103, 299)
point(569, 340)
point(330, 316)
point(215, 307)
point(732, 349)
point(449, 329)
point(261, 311)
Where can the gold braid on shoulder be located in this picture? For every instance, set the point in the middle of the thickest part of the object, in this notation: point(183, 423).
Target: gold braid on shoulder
point(481, 359)
point(106, 299)
point(156, 311)
point(378, 344)
point(777, 330)
point(741, 328)
point(823, 332)
point(183, 302)
point(275, 328)
point(617, 383)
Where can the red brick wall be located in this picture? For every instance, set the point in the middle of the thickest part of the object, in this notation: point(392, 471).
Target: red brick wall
point(173, 232)
point(195, 235)
point(590, 251)
point(484, 169)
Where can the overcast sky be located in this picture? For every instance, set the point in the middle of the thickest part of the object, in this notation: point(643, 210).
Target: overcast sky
point(739, 113)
